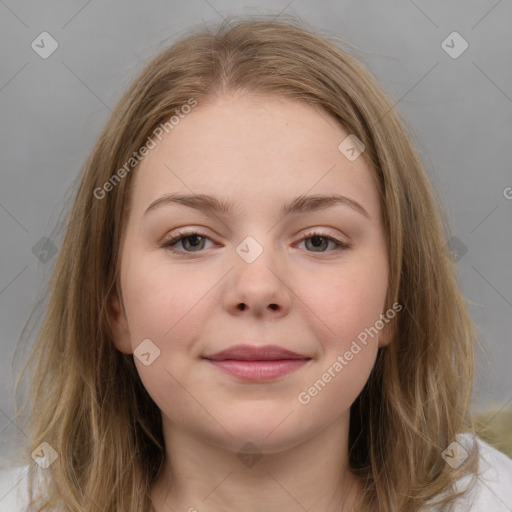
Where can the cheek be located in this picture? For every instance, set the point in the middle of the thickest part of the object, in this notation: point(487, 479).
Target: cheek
point(168, 308)
point(344, 321)
point(346, 306)
point(346, 302)
point(164, 304)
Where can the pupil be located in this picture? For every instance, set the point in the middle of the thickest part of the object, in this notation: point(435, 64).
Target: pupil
point(317, 241)
point(196, 240)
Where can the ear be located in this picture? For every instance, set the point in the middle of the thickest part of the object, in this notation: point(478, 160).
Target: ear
point(119, 326)
point(385, 336)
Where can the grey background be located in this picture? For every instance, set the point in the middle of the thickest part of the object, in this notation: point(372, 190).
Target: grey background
point(53, 109)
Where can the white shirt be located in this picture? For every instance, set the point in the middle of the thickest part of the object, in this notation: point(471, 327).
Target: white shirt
point(492, 491)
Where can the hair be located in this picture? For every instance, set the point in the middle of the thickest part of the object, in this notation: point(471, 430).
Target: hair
point(88, 401)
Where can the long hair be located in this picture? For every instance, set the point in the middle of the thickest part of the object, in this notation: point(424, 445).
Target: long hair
point(87, 400)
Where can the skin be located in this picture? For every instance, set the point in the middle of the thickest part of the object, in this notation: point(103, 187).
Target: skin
point(258, 152)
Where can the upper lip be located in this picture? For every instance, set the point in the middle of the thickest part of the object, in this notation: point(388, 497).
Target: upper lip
point(252, 353)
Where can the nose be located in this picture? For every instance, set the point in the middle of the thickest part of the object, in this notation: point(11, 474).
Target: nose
point(258, 288)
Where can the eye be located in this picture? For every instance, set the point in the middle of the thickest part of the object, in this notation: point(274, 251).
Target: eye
point(192, 239)
point(320, 240)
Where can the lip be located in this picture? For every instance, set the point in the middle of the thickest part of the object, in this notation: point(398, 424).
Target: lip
point(251, 363)
point(253, 353)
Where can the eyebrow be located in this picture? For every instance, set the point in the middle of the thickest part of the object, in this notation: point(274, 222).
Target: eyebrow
point(299, 204)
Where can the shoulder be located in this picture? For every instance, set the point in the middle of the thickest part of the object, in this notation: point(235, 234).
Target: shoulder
point(491, 489)
point(13, 488)
point(494, 482)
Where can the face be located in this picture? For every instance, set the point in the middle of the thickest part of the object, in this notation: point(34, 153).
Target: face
point(312, 281)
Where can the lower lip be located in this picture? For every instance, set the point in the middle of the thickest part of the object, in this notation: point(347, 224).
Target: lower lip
point(259, 370)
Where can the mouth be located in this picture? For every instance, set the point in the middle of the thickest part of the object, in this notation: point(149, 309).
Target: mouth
point(257, 363)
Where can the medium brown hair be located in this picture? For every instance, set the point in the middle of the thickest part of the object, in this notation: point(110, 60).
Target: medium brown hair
point(88, 401)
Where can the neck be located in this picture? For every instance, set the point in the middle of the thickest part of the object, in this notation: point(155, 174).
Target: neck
point(205, 477)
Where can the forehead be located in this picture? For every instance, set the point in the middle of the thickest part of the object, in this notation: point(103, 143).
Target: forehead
point(257, 152)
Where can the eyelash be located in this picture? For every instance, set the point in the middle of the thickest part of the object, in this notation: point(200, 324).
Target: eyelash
point(180, 235)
